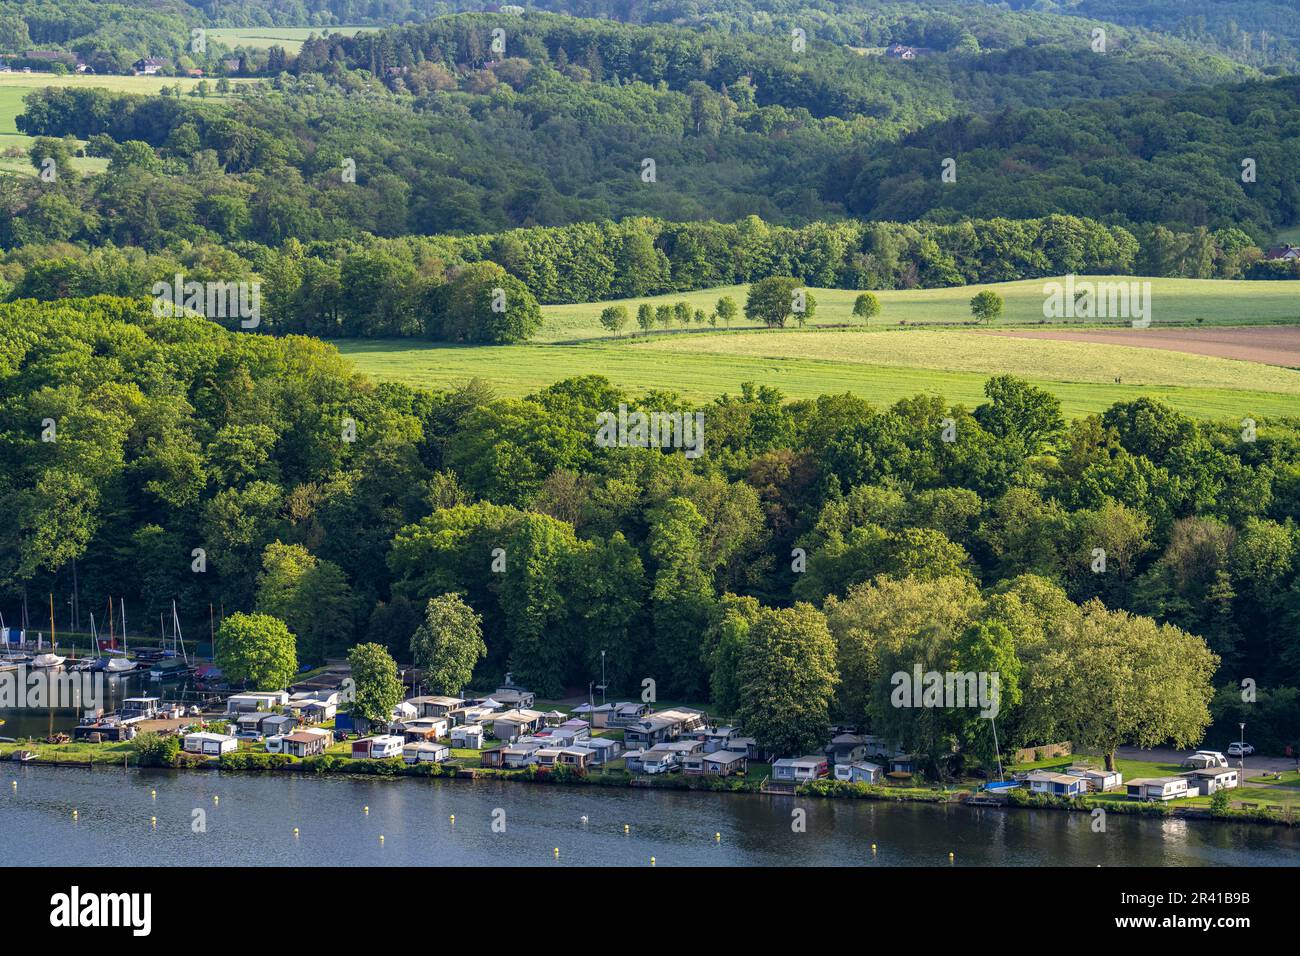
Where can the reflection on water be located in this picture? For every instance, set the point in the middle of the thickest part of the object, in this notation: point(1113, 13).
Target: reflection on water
point(43, 721)
point(250, 819)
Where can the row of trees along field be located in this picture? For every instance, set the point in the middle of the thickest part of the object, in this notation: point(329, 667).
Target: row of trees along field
point(853, 526)
point(443, 288)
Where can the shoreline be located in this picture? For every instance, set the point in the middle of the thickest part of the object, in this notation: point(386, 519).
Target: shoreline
point(824, 789)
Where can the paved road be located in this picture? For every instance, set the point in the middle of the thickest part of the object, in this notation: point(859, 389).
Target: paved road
point(1255, 764)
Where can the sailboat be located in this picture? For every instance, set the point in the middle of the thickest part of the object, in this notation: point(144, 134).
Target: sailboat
point(171, 667)
point(49, 659)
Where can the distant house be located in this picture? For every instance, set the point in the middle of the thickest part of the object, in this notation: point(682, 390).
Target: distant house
point(435, 705)
point(515, 723)
point(742, 745)
point(653, 761)
point(903, 764)
point(202, 742)
point(1157, 788)
point(599, 715)
point(423, 728)
point(861, 772)
point(468, 736)
point(377, 748)
point(800, 768)
point(625, 714)
point(1211, 779)
point(721, 763)
point(666, 725)
point(304, 743)
point(1284, 253)
point(232, 64)
point(566, 734)
point(1056, 784)
point(520, 754)
point(901, 51)
point(1097, 780)
point(716, 738)
point(510, 694)
point(250, 725)
point(314, 710)
point(603, 749)
point(471, 714)
point(256, 700)
point(846, 749)
point(425, 751)
point(279, 724)
point(552, 757)
point(148, 66)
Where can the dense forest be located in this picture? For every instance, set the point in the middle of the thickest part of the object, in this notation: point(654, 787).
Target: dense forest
point(400, 181)
point(134, 440)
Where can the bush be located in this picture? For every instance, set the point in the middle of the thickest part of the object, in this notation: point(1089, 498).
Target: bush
point(157, 750)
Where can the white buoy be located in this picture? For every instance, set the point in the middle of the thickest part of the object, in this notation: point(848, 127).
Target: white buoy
point(584, 819)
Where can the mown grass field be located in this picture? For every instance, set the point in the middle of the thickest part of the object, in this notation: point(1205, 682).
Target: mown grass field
point(1174, 302)
point(885, 362)
point(263, 38)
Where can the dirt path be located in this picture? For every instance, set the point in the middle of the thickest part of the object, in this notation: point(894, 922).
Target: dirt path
point(1269, 344)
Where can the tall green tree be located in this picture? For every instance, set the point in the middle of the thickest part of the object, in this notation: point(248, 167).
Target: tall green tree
point(448, 644)
point(377, 688)
point(787, 676)
point(256, 650)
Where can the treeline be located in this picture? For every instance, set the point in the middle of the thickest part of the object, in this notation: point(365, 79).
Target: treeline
point(344, 507)
point(442, 287)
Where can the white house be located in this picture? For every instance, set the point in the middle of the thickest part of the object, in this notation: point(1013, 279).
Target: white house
point(256, 700)
point(468, 736)
point(425, 751)
point(1056, 784)
point(799, 768)
point(1211, 779)
point(379, 747)
point(860, 772)
point(1097, 780)
point(1158, 788)
point(202, 742)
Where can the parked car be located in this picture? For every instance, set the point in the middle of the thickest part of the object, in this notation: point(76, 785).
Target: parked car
point(1240, 750)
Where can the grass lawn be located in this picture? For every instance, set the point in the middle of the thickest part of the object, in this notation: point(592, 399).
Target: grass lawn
point(517, 370)
point(79, 751)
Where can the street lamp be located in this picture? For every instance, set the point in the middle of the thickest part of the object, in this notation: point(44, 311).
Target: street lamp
point(602, 678)
point(1241, 760)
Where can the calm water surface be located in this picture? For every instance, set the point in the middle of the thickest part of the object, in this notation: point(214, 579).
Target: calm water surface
point(253, 820)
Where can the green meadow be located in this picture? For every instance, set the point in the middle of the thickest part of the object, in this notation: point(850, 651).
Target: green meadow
point(892, 359)
point(1174, 302)
point(262, 38)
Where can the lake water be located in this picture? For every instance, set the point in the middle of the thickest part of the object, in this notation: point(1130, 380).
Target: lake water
point(253, 819)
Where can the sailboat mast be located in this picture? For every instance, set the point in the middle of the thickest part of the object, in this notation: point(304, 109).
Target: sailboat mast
point(54, 641)
point(123, 605)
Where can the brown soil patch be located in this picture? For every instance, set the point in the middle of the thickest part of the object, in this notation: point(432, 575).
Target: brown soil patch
point(1269, 344)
